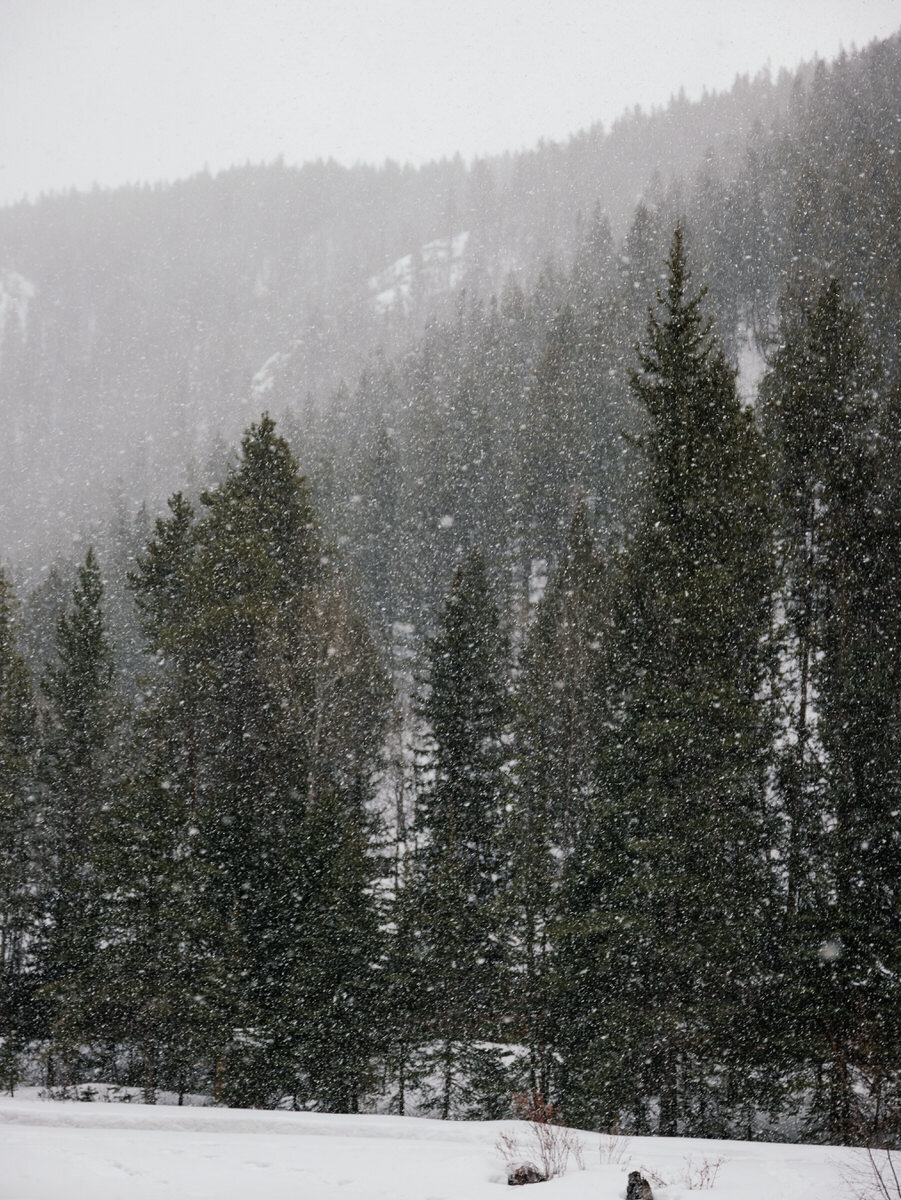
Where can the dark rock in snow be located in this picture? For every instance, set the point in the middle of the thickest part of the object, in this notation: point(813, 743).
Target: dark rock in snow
point(638, 1187)
point(521, 1173)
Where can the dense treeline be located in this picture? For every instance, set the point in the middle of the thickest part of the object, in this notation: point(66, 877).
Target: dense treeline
point(551, 739)
point(631, 842)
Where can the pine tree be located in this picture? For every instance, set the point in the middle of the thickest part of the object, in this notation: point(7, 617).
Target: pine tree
point(815, 403)
point(78, 767)
point(273, 694)
point(153, 957)
point(462, 796)
point(839, 782)
point(857, 705)
point(665, 920)
point(560, 730)
point(158, 949)
point(554, 437)
point(867, 843)
point(328, 937)
point(18, 812)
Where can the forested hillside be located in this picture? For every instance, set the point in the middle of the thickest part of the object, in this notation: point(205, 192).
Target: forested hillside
point(515, 709)
point(139, 324)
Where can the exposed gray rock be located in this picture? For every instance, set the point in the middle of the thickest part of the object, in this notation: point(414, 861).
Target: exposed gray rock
point(638, 1187)
point(520, 1173)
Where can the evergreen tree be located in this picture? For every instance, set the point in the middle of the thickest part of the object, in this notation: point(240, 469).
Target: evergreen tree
point(840, 777)
point(463, 792)
point(560, 729)
point(78, 767)
point(274, 698)
point(328, 936)
point(153, 956)
point(158, 955)
point(665, 914)
point(816, 407)
point(554, 437)
point(866, 830)
point(18, 811)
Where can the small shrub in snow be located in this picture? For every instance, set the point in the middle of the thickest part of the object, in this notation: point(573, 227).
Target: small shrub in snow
point(614, 1148)
point(547, 1144)
point(698, 1175)
point(701, 1176)
point(655, 1177)
point(877, 1175)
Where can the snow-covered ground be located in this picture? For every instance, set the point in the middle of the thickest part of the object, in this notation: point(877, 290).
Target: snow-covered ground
point(133, 1152)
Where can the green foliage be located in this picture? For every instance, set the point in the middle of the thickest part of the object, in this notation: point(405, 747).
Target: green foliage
point(561, 721)
point(460, 868)
point(664, 915)
point(18, 811)
point(269, 702)
point(840, 538)
point(79, 768)
point(79, 686)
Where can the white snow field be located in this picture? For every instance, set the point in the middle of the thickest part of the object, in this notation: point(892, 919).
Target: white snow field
point(103, 1151)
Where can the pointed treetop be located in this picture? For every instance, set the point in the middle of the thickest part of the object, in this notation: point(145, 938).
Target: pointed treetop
point(683, 323)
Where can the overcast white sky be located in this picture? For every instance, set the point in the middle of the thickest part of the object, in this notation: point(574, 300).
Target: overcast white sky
point(111, 91)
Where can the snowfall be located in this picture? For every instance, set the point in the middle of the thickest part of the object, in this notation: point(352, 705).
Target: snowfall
point(116, 1151)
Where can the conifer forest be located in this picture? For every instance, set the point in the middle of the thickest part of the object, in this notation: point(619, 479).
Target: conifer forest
point(450, 627)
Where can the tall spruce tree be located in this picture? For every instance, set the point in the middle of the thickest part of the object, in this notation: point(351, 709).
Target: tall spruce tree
point(275, 700)
point(79, 769)
point(18, 813)
point(560, 723)
point(840, 780)
point(153, 955)
point(819, 417)
point(462, 797)
point(868, 843)
point(666, 914)
point(159, 946)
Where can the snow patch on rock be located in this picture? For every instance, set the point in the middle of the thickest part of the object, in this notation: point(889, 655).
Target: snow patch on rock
point(438, 267)
point(264, 380)
point(751, 365)
point(16, 295)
